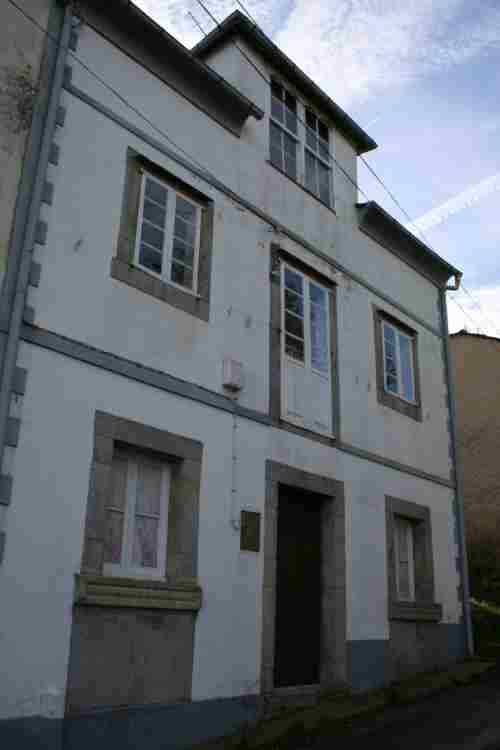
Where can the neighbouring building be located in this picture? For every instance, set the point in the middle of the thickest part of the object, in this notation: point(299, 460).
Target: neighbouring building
point(228, 459)
point(476, 364)
point(24, 71)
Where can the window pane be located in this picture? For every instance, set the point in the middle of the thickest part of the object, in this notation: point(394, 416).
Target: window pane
point(114, 537)
point(389, 334)
point(324, 183)
point(294, 348)
point(156, 192)
point(391, 374)
point(319, 342)
point(293, 281)
point(324, 150)
point(294, 325)
point(290, 156)
point(150, 258)
point(185, 209)
point(152, 236)
point(145, 547)
point(294, 303)
point(183, 252)
point(317, 294)
point(154, 213)
point(117, 499)
point(311, 122)
point(148, 495)
point(404, 581)
point(323, 131)
point(185, 230)
point(290, 112)
point(182, 275)
point(276, 148)
point(403, 532)
point(310, 172)
point(405, 357)
point(277, 108)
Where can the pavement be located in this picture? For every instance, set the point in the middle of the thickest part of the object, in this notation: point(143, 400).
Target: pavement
point(465, 717)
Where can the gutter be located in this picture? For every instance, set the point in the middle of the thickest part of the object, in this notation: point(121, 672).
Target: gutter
point(21, 248)
point(459, 492)
point(456, 285)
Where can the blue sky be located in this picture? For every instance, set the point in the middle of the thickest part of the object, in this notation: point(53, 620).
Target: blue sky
point(422, 77)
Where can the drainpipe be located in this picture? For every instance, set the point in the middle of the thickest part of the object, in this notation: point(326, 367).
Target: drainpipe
point(459, 493)
point(26, 244)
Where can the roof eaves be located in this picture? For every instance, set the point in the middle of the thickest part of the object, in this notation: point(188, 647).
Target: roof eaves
point(223, 87)
point(407, 243)
point(238, 23)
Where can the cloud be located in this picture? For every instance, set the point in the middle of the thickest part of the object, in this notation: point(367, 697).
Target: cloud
point(354, 49)
point(357, 49)
point(481, 316)
point(173, 15)
point(466, 199)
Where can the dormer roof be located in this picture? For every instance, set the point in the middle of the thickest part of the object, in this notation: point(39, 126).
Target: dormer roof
point(239, 25)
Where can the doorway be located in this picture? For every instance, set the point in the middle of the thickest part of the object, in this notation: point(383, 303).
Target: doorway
point(304, 582)
point(298, 588)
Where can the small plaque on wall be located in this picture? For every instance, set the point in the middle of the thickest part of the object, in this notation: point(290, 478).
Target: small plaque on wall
point(250, 531)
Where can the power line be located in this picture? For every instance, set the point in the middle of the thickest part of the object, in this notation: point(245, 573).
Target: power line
point(297, 117)
point(246, 12)
point(164, 134)
point(407, 215)
point(197, 23)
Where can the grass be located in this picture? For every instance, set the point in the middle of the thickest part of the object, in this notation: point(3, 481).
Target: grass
point(486, 627)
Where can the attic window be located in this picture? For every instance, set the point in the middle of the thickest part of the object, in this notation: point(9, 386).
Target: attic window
point(283, 130)
point(317, 157)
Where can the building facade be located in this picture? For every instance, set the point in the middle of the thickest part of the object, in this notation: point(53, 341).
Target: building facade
point(234, 428)
point(476, 364)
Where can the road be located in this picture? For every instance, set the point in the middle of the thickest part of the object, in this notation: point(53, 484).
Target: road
point(462, 717)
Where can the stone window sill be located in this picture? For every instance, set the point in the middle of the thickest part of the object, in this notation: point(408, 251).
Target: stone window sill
point(415, 611)
point(110, 591)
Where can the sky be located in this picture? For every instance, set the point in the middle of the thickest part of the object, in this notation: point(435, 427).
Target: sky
point(422, 78)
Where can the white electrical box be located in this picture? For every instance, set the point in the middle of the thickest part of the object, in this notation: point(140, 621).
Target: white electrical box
point(232, 375)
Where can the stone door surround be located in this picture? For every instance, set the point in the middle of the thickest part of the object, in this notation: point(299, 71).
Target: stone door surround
point(333, 573)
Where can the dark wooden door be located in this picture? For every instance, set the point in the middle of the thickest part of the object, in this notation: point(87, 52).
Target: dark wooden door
point(298, 589)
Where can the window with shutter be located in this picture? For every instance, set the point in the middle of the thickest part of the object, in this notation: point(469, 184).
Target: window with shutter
point(137, 516)
point(306, 370)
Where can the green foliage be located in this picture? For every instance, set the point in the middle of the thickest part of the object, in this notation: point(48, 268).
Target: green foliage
point(486, 626)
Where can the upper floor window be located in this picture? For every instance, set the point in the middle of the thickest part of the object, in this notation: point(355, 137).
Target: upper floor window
point(399, 375)
point(283, 130)
point(292, 126)
point(317, 157)
point(168, 233)
point(165, 239)
point(398, 384)
point(306, 389)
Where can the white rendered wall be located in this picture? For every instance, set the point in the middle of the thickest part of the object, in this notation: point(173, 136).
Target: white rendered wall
point(45, 530)
point(78, 299)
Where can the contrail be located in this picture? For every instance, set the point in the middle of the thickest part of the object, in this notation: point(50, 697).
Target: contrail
point(465, 199)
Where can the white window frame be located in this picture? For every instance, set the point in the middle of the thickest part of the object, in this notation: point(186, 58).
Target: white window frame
point(283, 127)
point(317, 156)
point(411, 558)
point(168, 231)
point(300, 138)
point(307, 363)
point(411, 339)
point(126, 568)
